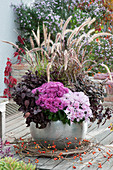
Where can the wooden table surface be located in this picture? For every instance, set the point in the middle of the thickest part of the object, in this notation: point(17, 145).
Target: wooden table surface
point(16, 127)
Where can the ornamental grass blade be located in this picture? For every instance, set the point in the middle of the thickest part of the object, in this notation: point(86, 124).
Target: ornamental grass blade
point(80, 39)
point(72, 43)
point(58, 37)
point(77, 30)
point(35, 49)
point(32, 42)
point(66, 31)
point(8, 42)
point(110, 76)
point(98, 35)
point(36, 38)
point(45, 33)
point(65, 59)
point(83, 25)
point(48, 72)
point(65, 26)
point(90, 32)
point(71, 36)
point(93, 20)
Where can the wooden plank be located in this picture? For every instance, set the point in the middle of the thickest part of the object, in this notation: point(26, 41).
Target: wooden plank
point(17, 133)
point(95, 162)
point(42, 161)
point(15, 126)
point(50, 164)
point(65, 164)
point(99, 133)
point(11, 108)
point(15, 121)
point(108, 139)
point(107, 165)
point(11, 117)
point(91, 126)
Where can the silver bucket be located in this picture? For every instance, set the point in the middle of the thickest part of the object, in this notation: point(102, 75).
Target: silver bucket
point(59, 134)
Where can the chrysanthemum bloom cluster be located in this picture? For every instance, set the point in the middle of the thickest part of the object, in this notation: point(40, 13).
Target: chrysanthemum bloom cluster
point(50, 96)
point(78, 106)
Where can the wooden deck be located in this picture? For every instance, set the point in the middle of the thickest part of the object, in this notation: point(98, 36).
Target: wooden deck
point(16, 127)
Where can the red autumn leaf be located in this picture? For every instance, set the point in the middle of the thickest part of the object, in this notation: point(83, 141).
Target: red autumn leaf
point(6, 81)
point(21, 40)
point(8, 69)
point(19, 59)
point(22, 50)
point(16, 54)
point(13, 81)
point(9, 63)
point(6, 91)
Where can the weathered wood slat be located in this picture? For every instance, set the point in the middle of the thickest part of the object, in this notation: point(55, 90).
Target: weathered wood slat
point(42, 161)
point(107, 165)
point(50, 164)
point(15, 122)
point(13, 116)
point(11, 108)
point(66, 164)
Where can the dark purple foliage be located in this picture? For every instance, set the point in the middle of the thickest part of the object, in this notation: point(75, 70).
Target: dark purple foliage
point(24, 97)
point(96, 96)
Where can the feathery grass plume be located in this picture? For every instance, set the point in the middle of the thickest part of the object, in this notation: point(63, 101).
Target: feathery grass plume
point(84, 35)
point(80, 39)
point(66, 51)
point(98, 35)
point(58, 36)
point(92, 21)
point(31, 42)
point(38, 36)
point(67, 31)
point(66, 55)
point(78, 29)
point(71, 36)
point(14, 45)
point(35, 50)
point(48, 72)
point(29, 56)
point(72, 43)
point(45, 33)
point(45, 43)
point(110, 76)
point(65, 26)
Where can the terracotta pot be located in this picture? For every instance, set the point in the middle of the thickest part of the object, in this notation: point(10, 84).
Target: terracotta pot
point(58, 133)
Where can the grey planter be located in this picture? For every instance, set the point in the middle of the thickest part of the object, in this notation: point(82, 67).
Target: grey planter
point(58, 133)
